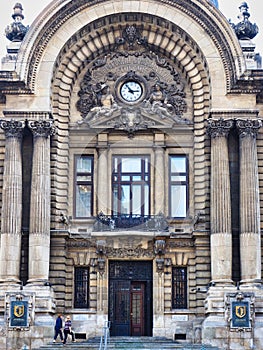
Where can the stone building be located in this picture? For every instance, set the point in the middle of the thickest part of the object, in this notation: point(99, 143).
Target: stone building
point(131, 155)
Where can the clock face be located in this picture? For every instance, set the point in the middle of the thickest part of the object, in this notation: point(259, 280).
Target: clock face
point(131, 91)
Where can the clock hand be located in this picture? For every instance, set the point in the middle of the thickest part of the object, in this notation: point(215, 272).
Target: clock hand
point(130, 90)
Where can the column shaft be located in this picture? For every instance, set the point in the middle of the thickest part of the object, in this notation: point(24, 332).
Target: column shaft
point(221, 235)
point(11, 219)
point(39, 232)
point(250, 240)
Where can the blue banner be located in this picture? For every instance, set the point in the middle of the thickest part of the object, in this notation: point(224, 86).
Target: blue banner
point(19, 313)
point(240, 314)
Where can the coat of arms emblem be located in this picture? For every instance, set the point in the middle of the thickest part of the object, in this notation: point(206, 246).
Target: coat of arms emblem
point(240, 311)
point(19, 310)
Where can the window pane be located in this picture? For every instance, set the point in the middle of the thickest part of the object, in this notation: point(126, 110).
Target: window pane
point(178, 186)
point(178, 164)
point(178, 178)
point(83, 186)
point(146, 200)
point(83, 178)
point(178, 201)
point(83, 200)
point(130, 189)
point(125, 199)
point(131, 165)
point(137, 200)
point(84, 164)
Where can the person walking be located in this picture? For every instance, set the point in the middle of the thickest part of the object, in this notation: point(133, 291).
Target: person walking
point(58, 328)
point(68, 330)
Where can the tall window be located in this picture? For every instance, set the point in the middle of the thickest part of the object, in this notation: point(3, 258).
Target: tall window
point(179, 288)
point(84, 186)
point(178, 186)
point(81, 288)
point(131, 185)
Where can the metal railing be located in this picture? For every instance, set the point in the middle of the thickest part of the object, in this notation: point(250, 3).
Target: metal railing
point(105, 337)
point(131, 222)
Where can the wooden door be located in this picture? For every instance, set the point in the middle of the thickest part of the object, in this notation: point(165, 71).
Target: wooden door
point(130, 298)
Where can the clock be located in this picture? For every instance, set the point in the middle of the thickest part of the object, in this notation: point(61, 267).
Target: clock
point(131, 91)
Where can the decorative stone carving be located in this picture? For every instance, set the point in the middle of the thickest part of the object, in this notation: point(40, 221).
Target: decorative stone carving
point(248, 127)
point(16, 31)
point(12, 128)
point(245, 29)
point(131, 38)
point(42, 128)
point(163, 97)
point(219, 127)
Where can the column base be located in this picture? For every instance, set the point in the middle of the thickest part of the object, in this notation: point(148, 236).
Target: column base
point(222, 283)
point(248, 283)
point(38, 282)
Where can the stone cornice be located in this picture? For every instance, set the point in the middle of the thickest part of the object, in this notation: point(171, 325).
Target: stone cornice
point(28, 115)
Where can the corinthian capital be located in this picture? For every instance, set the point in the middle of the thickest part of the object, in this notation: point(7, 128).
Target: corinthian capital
point(248, 127)
point(219, 127)
point(42, 128)
point(12, 128)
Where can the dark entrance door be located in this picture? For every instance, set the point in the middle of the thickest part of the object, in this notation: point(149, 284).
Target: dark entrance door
point(130, 298)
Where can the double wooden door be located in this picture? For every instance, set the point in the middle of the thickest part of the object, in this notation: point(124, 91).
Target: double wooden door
point(130, 298)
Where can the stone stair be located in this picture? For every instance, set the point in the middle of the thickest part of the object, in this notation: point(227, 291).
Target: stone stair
point(127, 343)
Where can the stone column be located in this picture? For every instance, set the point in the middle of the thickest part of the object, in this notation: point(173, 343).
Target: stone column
point(250, 240)
point(39, 231)
point(11, 217)
point(221, 235)
point(159, 181)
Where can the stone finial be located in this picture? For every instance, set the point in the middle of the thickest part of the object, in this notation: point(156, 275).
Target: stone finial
point(16, 31)
point(245, 30)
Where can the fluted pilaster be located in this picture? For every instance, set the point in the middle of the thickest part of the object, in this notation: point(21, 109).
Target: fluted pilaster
point(159, 181)
point(250, 240)
point(102, 189)
point(39, 232)
point(11, 217)
point(221, 235)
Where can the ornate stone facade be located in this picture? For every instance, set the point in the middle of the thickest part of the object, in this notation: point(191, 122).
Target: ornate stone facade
point(131, 174)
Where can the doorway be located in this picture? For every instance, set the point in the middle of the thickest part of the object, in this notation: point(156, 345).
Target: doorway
point(130, 298)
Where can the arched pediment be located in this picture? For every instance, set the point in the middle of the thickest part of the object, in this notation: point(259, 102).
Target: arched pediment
point(198, 19)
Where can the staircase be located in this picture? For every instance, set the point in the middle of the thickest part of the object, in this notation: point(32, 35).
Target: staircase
point(127, 343)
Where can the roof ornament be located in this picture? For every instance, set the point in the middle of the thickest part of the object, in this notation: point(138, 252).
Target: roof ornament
point(245, 30)
point(16, 31)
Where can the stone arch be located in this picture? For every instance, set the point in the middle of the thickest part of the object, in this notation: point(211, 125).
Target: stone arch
point(192, 33)
point(61, 20)
point(94, 40)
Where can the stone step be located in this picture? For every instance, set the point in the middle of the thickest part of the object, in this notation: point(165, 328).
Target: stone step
point(127, 343)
